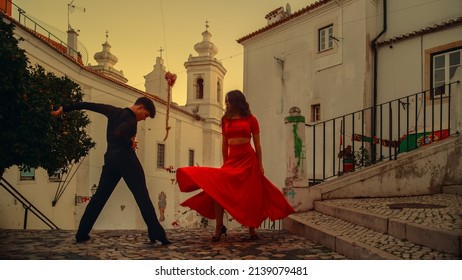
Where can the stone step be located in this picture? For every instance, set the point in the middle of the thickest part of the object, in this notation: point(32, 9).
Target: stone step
point(433, 228)
point(356, 241)
point(455, 189)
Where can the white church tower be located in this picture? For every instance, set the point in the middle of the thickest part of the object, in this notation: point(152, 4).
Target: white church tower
point(106, 61)
point(155, 82)
point(205, 94)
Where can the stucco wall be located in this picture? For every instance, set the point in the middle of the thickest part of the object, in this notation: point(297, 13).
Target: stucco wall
point(283, 68)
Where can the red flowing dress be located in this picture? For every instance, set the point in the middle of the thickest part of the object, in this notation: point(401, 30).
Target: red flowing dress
point(238, 186)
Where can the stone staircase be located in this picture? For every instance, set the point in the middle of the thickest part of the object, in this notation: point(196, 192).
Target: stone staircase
point(393, 228)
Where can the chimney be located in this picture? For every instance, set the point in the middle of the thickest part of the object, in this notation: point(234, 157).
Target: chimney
point(278, 14)
point(72, 43)
point(5, 5)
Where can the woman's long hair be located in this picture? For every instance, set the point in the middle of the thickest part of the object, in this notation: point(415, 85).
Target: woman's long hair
point(237, 105)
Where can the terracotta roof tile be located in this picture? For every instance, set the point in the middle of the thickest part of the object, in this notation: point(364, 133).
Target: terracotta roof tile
point(426, 30)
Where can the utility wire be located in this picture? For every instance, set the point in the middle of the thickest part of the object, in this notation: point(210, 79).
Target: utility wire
point(165, 37)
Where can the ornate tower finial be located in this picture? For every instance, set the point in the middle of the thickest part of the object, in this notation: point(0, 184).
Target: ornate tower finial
point(206, 24)
point(160, 51)
point(107, 35)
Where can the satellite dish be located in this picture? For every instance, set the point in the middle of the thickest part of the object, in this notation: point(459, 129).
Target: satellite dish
point(288, 11)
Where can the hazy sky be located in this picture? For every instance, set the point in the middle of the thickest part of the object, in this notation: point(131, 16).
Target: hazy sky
point(139, 28)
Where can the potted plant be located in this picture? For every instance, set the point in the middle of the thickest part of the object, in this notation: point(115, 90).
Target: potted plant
point(348, 159)
point(362, 158)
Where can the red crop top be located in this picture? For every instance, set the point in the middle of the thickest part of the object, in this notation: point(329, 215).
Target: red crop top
point(240, 128)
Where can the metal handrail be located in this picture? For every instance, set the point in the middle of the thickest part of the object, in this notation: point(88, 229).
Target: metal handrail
point(20, 15)
point(27, 205)
point(390, 121)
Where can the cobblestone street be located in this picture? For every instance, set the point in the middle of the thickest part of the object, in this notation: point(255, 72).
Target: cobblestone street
point(134, 244)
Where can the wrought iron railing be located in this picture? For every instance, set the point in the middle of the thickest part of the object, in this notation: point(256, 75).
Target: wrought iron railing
point(349, 142)
point(20, 15)
point(27, 205)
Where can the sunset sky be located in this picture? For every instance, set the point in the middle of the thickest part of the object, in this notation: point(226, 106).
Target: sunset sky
point(138, 29)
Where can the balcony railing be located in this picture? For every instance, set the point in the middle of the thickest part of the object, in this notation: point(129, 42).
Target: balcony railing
point(366, 137)
point(21, 17)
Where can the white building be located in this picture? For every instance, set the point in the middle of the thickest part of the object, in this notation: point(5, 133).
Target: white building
point(321, 59)
point(192, 139)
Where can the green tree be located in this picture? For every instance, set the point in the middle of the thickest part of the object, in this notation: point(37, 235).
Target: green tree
point(30, 136)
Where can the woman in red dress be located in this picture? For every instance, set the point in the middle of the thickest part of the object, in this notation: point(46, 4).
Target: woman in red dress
point(239, 186)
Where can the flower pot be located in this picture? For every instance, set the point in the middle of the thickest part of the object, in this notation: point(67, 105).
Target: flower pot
point(348, 165)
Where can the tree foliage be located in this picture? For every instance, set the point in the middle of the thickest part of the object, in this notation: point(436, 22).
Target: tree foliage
point(30, 136)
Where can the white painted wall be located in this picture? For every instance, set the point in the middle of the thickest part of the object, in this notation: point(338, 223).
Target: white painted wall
point(341, 80)
point(338, 79)
point(402, 66)
point(412, 15)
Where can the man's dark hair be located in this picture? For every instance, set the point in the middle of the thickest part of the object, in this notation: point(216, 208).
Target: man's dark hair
point(148, 105)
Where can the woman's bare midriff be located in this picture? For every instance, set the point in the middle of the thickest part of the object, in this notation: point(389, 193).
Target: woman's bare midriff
point(238, 141)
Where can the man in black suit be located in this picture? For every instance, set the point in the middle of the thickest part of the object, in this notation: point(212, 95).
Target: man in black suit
point(120, 161)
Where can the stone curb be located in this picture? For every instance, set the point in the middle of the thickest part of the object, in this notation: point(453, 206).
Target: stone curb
point(375, 222)
point(360, 251)
point(437, 239)
point(344, 245)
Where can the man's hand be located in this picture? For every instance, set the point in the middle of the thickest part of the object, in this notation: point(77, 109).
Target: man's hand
point(134, 143)
point(58, 112)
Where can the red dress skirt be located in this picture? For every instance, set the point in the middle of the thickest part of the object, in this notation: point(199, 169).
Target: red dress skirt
point(238, 186)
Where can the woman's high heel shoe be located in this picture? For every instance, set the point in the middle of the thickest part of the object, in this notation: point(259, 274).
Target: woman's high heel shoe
point(223, 230)
point(254, 237)
point(253, 234)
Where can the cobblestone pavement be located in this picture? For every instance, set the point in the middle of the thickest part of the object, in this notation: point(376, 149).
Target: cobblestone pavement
point(195, 244)
point(188, 244)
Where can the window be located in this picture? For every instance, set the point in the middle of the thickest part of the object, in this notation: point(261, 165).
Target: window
point(444, 66)
point(199, 88)
point(191, 158)
point(219, 92)
point(325, 38)
point(160, 155)
point(27, 174)
point(315, 113)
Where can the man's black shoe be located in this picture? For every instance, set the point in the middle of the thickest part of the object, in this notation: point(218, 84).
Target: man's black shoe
point(162, 240)
point(81, 239)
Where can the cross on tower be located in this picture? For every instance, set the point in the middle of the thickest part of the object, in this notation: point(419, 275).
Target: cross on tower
point(160, 51)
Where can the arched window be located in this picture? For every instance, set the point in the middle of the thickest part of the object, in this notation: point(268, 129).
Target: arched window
point(199, 88)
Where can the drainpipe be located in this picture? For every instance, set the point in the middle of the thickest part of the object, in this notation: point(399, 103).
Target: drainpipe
point(374, 98)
